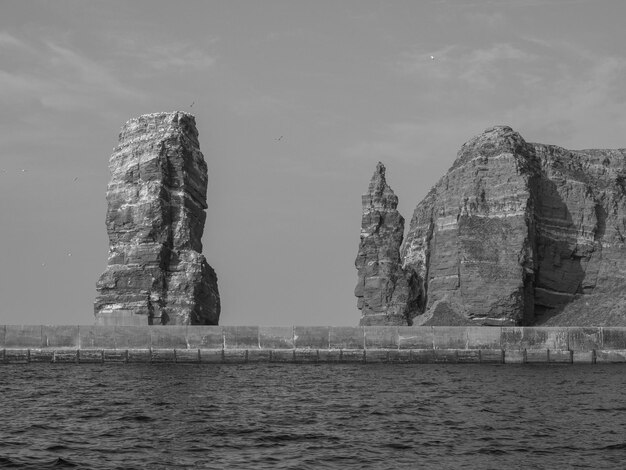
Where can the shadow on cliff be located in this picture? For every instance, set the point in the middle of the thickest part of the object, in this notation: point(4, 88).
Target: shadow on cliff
point(560, 261)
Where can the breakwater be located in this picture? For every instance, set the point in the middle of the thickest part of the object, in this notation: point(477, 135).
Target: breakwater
point(310, 344)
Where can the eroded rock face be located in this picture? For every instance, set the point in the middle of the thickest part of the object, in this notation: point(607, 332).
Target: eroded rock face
point(471, 239)
point(521, 233)
point(383, 288)
point(156, 197)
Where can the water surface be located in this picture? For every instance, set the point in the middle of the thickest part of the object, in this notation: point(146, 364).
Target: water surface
point(292, 416)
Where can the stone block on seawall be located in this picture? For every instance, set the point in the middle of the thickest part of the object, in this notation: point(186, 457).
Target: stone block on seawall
point(557, 356)
point(329, 355)
point(90, 356)
point(187, 356)
point(450, 337)
point(481, 337)
point(537, 355)
point(259, 355)
point(610, 356)
point(139, 355)
point(311, 337)
point(583, 357)
point(399, 356)
point(613, 338)
point(276, 337)
point(422, 356)
point(205, 337)
point(376, 355)
point(3, 330)
point(66, 356)
point(241, 337)
point(381, 337)
point(23, 336)
point(306, 355)
point(41, 355)
point(352, 355)
point(96, 337)
point(534, 338)
point(346, 337)
point(17, 356)
point(115, 355)
point(491, 356)
point(159, 355)
point(514, 356)
point(59, 336)
point(212, 356)
point(235, 356)
point(584, 339)
point(468, 356)
point(168, 337)
point(132, 337)
point(283, 355)
point(415, 337)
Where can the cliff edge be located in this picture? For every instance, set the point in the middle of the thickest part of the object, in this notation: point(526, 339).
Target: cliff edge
point(519, 233)
point(156, 198)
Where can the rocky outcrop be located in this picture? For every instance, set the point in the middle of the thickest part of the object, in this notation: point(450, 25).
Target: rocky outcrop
point(521, 233)
point(383, 288)
point(156, 198)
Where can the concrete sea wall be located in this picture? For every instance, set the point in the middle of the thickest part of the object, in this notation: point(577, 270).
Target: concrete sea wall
point(310, 344)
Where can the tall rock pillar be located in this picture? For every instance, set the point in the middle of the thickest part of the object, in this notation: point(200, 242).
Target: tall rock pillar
point(384, 290)
point(156, 272)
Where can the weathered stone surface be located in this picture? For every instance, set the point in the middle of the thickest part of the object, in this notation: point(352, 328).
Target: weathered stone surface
point(470, 240)
point(515, 233)
point(384, 290)
point(156, 273)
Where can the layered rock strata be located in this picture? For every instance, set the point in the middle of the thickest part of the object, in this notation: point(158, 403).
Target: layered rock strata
point(156, 198)
point(521, 233)
point(383, 289)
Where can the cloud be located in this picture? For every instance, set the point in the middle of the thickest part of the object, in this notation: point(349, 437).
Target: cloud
point(7, 41)
point(554, 89)
point(57, 77)
point(476, 67)
point(149, 53)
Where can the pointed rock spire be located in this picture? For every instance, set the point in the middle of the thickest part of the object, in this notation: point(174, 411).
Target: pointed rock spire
point(382, 288)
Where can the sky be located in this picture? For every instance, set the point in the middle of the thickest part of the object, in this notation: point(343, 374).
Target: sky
point(295, 103)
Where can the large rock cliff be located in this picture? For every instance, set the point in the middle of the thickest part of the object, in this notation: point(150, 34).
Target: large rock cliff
point(156, 198)
point(521, 233)
point(383, 288)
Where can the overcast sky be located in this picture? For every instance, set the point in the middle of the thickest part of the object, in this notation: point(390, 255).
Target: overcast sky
point(345, 83)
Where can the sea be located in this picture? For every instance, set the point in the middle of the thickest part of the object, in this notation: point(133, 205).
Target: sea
point(324, 416)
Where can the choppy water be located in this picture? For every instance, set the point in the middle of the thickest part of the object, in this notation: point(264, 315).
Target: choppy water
point(312, 416)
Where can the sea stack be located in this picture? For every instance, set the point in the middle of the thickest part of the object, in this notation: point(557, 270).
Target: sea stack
point(383, 290)
point(156, 273)
point(519, 233)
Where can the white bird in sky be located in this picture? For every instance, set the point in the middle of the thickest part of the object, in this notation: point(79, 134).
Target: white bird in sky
point(432, 57)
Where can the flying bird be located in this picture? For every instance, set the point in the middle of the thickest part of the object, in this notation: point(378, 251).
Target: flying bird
point(280, 138)
point(192, 103)
point(76, 178)
point(432, 57)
